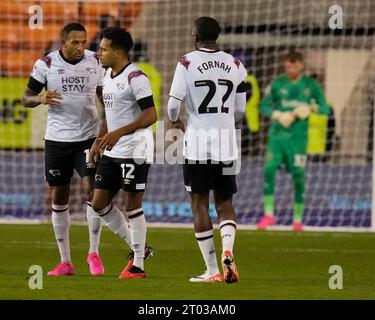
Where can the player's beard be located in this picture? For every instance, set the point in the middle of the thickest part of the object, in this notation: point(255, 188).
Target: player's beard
point(78, 56)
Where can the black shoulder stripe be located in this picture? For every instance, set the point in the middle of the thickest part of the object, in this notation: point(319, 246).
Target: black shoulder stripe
point(243, 87)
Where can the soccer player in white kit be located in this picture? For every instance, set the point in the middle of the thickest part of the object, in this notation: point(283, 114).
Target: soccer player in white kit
point(72, 77)
point(128, 145)
point(212, 84)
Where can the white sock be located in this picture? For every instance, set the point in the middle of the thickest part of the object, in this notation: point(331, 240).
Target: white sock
point(228, 234)
point(116, 222)
point(206, 244)
point(94, 223)
point(61, 223)
point(138, 230)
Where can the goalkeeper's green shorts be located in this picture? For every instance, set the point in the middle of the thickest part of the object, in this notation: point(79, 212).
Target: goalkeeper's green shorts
point(286, 152)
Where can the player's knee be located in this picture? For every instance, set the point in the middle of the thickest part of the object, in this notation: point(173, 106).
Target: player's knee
point(299, 187)
point(225, 210)
point(60, 195)
point(133, 205)
point(298, 173)
point(268, 191)
point(299, 197)
point(298, 178)
point(269, 172)
point(299, 192)
point(269, 186)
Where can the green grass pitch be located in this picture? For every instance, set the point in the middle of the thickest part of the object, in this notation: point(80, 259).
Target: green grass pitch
point(272, 265)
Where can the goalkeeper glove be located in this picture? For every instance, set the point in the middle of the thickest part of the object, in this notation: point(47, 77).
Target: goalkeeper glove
point(301, 112)
point(284, 118)
point(276, 115)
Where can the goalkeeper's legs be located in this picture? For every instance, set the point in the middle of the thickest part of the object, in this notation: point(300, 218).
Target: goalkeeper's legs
point(297, 165)
point(204, 233)
point(299, 189)
point(273, 161)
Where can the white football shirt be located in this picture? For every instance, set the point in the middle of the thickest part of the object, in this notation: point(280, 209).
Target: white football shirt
point(121, 95)
point(208, 81)
point(76, 118)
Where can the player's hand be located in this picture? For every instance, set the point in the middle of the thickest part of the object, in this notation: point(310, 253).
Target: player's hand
point(286, 119)
point(52, 98)
point(276, 115)
point(109, 140)
point(302, 112)
point(94, 154)
point(178, 124)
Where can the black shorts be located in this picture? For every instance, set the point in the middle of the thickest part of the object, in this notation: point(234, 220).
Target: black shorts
point(61, 158)
point(114, 174)
point(203, 177)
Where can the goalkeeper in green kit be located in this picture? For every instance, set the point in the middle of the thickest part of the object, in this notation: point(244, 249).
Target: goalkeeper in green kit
point(289, 103)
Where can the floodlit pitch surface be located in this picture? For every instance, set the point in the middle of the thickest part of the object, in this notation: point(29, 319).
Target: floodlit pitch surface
point(271, 264)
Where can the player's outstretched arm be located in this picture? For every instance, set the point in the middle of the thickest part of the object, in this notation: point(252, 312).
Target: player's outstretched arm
point(147, 118)
point(32, 99)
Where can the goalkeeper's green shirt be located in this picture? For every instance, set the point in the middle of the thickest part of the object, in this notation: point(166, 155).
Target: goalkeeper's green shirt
point(286, 95)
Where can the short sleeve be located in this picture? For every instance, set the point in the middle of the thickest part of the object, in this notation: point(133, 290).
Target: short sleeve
point(140, 85)
point(242, 85)
point(243, 72)
point(178, 87)
point(40, 70)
